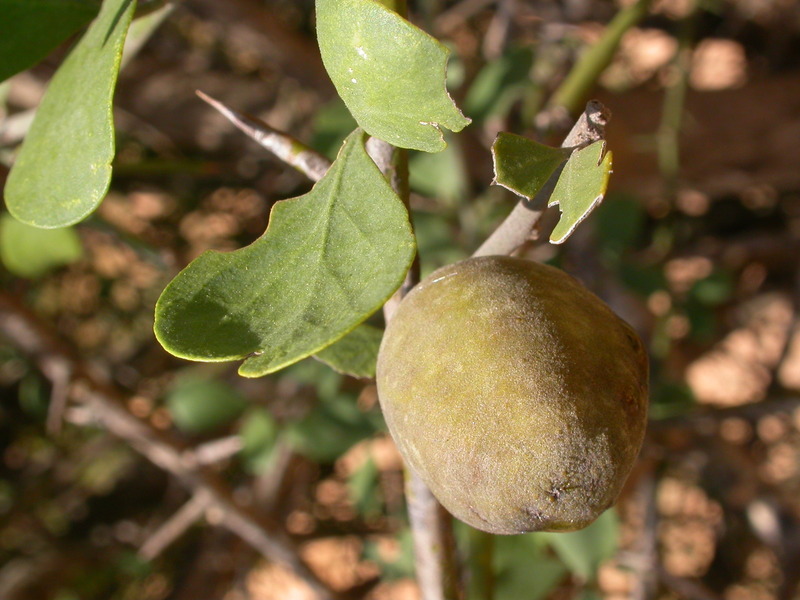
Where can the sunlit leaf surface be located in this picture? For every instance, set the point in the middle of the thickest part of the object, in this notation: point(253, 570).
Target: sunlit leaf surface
point(580, 188)
point(63, 170)
point(390, 73)
point(327, 261)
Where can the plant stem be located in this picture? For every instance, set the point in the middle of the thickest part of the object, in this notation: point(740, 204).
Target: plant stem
point(668, 136)
point(435, 557)
point(573, 90)
point(671, 118)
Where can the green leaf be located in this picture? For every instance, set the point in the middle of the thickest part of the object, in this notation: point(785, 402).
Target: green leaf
point(63, 169)
point(580, 188)
point(523, 568)
point(583, 551)
point(390, 74)
point(198, 404)
point(259, 434)
point(31, 29)
point(327, 261)
point(356, 353)
point(332, 428)
point(363, 488)
point(32, 252)
point(400, 564)
point(441, 175)
point(524, 166)
point(499, 84)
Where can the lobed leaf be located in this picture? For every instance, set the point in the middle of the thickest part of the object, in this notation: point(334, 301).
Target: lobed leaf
point(31, 29)
point(356, 354)
point(63, 169)
point(580, 188)
point(524, 166)
point(390, 73)
point(327, 261)
point(32, 252)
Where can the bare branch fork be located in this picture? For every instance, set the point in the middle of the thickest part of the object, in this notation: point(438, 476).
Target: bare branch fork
point(520, 223)
point(106, 404)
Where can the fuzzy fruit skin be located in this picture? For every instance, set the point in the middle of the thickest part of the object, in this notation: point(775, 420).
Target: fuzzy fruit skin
point(516, 394)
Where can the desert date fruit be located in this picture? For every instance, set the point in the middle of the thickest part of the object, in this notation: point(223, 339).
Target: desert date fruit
point(516, 394)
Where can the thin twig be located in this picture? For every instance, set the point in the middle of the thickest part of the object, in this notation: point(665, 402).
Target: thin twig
point(216, 450)
point(269, 482)
point(288, 149)
point(175, 526)
point(435, 558)
point(516, 229)
point(59, 373)
point(295, 154)
point(106, 403)
point(669, 129)
point(646, 549)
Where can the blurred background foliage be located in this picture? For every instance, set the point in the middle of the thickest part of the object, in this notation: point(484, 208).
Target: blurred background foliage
point(696, 245)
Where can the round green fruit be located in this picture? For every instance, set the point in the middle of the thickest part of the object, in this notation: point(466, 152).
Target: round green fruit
point(516, 394)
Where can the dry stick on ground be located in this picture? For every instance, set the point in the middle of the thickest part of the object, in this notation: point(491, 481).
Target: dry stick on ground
point(518, 226)
point(106, 404)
